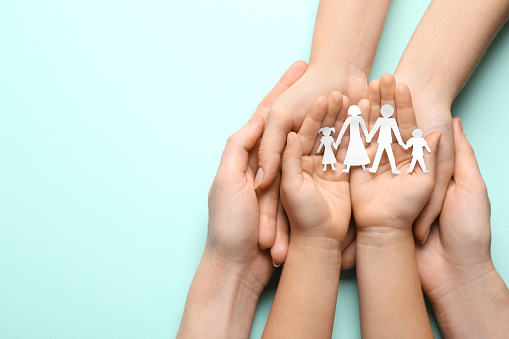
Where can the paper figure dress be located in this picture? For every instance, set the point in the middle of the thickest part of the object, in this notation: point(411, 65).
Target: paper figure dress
point(327, 142)
point(356, 155)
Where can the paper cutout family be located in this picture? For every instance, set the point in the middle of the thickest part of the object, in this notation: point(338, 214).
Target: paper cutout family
point(356, 155)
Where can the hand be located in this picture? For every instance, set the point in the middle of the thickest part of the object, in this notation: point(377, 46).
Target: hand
point(317, 202)
point(455, 263)
point(233, 203)
point(285, 115)
point(383, 198)
point(433, 113)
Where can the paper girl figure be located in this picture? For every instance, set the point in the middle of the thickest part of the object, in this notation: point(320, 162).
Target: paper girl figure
point(387, 126)
point(418, 143)
point(356, 154)
point(327, 141)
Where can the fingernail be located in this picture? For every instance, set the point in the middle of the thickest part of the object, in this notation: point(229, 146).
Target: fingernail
point(275, 265)
point(263, 249)
point(289, 141)
point(252, 120)
point(426, 236)
point(258, 178)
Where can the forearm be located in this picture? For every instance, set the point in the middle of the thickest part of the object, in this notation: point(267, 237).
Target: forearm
point(347, 33)
point(475, 306)
point(390, 298)
point(447, 45)
point(220, 303)
point(305, 301)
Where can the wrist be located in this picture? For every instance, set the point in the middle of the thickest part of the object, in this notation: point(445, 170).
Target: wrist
point(321, 249)
point(221, 302)
point(384, 236)
point(474, 304)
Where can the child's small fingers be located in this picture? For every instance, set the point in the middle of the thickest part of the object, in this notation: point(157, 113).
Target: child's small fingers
point(466, 167)
point(406, 114)
point(374, 99)
point(312, 123)
point(387, 91)
point(292, 163)
point(236, 152)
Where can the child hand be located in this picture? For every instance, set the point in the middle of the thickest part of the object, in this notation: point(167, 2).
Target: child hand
point(285, 115)
point(317, 201)
point(383, 198)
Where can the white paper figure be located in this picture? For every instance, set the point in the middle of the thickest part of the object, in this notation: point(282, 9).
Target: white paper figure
point(418, 143)
point(356, 154)
point(387, 125)
point(327, 141)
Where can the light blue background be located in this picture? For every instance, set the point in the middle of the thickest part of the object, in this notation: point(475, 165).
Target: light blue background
point(103, 190)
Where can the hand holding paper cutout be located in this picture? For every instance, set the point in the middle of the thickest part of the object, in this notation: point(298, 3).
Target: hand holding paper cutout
point(317, 202)
point(382, 198)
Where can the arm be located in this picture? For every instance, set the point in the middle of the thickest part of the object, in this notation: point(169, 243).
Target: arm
point(384, 207)
point(342, 132)
point(319, 147)
point(319, 214)
point(373, 131)
point(442, 53)
point(233, 270)
point(469, 297)
point(395, 129)
point(364, 129)
point(427, 147)
point(390, 298)
point(345, 40)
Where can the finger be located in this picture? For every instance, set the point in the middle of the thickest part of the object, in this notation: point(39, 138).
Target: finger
point(277, 127)
point(236, 152)
point(312, 122)
point(335, 100)
point(387, 91)
point(340, 120)
point(375, 101)
point(365, 107)
point(292, 74)
point(407, 122)
point(348, 257)
point(466, 167)
point(280, 248)
point(292, 164)
point(268, 203)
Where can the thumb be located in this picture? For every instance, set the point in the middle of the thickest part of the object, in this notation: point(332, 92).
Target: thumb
point(292, 163)
point(271, 147)
point(465, 164)
point(430, 159)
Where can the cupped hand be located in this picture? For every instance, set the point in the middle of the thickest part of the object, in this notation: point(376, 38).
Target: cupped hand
point(433, 112)
point(317, 201)
point(234, 212)
point(458, 248)
point(287, 114)
point(384, 198)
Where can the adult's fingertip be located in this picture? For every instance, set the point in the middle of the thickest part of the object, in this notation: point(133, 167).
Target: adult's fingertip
point(259, 177)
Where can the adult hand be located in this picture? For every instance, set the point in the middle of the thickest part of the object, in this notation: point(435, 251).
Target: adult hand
point(469, 297)
point(287, 114)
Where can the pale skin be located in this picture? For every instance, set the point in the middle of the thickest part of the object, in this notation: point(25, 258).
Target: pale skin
point(385, 206)
point(468, 295)
point(233, 270)
point(442, 53)
point(344, 44)
point(318, 206)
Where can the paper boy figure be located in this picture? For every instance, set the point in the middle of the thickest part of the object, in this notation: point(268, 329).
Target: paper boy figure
point(328, 142)
point(418, 143)
point(387, 125)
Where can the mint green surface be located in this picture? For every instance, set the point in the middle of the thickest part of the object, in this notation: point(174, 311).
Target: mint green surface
point(103, 188)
